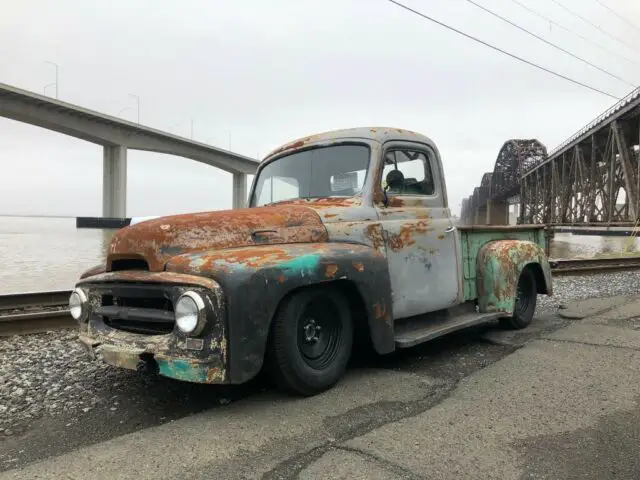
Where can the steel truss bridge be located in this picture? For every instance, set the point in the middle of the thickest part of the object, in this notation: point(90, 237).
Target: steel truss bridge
point(591, 179)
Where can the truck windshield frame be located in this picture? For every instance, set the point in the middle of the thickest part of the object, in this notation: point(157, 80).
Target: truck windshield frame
point(323, 171)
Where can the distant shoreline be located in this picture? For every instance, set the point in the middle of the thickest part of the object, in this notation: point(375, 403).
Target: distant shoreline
point(33, 215)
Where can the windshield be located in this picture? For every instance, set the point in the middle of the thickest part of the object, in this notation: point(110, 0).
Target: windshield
point(335, 171)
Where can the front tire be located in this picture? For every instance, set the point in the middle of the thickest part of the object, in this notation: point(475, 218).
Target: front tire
point(311, 341)
point(525, 304)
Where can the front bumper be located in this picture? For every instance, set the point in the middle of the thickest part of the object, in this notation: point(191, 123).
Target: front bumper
point(202, 359)
point(144, 359)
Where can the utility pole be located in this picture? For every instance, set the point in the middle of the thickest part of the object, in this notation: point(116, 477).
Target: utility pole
point(137, 105)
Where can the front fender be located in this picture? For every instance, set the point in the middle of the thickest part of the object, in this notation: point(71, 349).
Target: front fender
point(255, 279)
point(498, 266)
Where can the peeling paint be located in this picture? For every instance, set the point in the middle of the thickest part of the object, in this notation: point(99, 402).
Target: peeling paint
point(499, 265)
point(331, 270)
point(215, 230)
point(359, 266)
point(374, 233)
point(380, 310)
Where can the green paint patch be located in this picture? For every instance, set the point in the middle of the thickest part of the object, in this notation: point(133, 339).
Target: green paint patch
point(191, 371)
point(196, 261)
point(302, 265)
point(183, 370)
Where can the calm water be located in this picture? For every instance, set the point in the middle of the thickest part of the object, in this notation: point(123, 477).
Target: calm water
point(46, 253)
point(39, 253)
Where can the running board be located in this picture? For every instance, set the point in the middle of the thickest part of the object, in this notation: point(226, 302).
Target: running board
point(419, 331)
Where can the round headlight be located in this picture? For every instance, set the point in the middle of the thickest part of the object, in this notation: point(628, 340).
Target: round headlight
point(77, 303)
point(190, 314)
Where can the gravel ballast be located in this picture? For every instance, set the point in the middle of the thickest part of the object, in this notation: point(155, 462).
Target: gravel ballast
point(48, 382)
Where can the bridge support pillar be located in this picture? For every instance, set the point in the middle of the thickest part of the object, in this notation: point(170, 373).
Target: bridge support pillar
point(481, 216)
point(497, 212)
point(239, 190)
point(114, 181)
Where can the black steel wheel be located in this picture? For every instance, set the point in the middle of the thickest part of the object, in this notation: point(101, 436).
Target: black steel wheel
point(525, 304)
point(311, 341)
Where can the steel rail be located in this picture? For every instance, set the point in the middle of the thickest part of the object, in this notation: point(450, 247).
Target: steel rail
point(34, 312)
point(14, 301)
point(576, 266)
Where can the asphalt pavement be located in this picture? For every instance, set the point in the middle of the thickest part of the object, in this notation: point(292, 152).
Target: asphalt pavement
point(557, 400)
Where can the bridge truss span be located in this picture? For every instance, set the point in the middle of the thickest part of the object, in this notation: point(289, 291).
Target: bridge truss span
point(592, 178)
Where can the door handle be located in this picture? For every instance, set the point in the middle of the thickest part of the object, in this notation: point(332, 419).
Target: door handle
point(450, 229)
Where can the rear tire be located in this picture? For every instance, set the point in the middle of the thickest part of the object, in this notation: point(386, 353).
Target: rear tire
point(525, 304)
point(311, 341)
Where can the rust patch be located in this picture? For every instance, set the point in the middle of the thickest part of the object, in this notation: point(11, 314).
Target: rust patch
point(405, 238)
point(247, 257)
point(214, 374)
point(159, 240)
point(380, 311)
point(324, 202)
point(290, 146)
point(93, 271)
point(331, 270)
point(440, 237)
point(502, 262)
point(151, 277)
point(330, 215)
point(281, 278)
point(374, 233)
point(359, 266)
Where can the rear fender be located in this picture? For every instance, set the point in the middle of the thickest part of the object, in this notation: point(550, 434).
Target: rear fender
point(499, 265)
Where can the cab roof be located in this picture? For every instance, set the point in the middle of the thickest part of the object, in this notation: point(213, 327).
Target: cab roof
point(379, 134)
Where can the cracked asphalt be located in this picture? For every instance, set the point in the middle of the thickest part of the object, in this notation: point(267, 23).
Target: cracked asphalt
point(557, 400)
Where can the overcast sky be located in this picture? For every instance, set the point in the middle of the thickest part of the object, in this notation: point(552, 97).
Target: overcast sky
point(271, 71)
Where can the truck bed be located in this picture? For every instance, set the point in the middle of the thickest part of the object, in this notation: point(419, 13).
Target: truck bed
point(473, 237)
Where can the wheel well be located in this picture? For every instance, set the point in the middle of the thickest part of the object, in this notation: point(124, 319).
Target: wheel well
point(536, 269)
point(362, 335)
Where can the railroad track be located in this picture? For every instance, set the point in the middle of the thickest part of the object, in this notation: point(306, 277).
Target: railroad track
point(35, 312)
point(578, 266)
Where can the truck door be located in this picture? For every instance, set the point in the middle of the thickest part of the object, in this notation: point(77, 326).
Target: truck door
point(421, 241)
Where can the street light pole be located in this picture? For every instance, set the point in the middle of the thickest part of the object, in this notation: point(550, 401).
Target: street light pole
point(137, 105)
point(229, 132)
point(56, 82)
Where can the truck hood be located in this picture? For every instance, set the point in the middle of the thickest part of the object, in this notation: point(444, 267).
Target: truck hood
point(156, 241)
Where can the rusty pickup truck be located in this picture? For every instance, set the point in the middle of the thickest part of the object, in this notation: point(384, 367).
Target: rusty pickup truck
point(347, 240)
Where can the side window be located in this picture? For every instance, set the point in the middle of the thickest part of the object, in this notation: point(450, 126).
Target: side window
point(407, 172)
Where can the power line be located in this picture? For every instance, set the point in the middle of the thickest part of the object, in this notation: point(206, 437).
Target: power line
point(513, 24)
point(582, 37)
point(540, 67)
point(625, 20)
point(594, 25)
